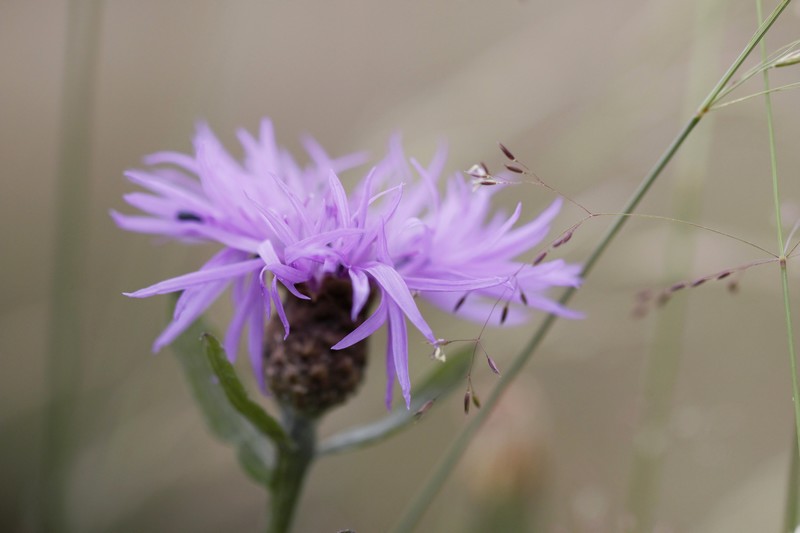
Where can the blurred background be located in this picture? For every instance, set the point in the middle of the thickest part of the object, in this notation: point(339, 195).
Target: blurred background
point(588, 94)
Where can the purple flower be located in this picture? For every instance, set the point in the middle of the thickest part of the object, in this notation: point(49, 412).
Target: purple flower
point(395, 235)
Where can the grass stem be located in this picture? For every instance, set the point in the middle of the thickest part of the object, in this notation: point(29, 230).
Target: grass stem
point(790, 517)
point(773, 159)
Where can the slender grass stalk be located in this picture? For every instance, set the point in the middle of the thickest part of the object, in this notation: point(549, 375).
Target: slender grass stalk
point(791, 501)
point(767, 62)
point(790, 517)
point(786, 87)
point(425, 496)
point(72, 193)
point(663, 357)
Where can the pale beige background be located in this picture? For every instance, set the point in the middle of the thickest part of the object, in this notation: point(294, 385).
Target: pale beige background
point(587, 93)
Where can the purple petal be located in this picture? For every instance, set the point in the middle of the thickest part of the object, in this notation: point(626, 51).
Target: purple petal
point(197, 278)
point(323, 160)
point(396, 289)
point(233, 240)
point(398, 348)
point(339, 199)
point(266, 135)
point(366, 329)
point(527, 236)
point(223, 257)
point(281, 230)
point(361, 291)
point(429, 179)
point(255, 337)
point(287, 274)
point(276, 298)
point(220, 175)
point(267, 252)
point(390, 375)
point(157, 184)
point(436, 165)
point(360, 216)
point(266, 294)
point(143, 224)
point(242, 304)
point(293, 290)
point(172, 158)
point(545, 304)
point(297, 205)
point(201, 298)
point(152, 205)
point(478, 308)
point(555, 272)
point(382, 247)
point(318, 244)
point(440, 284)
point(508, 224)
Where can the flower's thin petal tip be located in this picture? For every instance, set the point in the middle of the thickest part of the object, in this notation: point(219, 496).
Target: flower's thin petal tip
point(141, 293)
point(117, 217)
point(407, 398)
point(338, 345)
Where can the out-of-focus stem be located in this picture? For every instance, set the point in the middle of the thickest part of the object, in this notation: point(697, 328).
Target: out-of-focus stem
point(664, 355)
point(72, 193)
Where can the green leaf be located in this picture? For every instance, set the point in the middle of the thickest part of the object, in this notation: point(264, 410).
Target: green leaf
point(255, 451)
point(437, 384)
point(237, 395)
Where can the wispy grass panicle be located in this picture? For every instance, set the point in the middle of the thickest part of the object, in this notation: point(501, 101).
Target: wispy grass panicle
point(424, 497)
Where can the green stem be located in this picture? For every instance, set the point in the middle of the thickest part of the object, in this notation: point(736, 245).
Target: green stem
point(791, 499)
point(425, 496)
point(790, 518)
point(773, 159)
point(290, 471)
point(72, 193)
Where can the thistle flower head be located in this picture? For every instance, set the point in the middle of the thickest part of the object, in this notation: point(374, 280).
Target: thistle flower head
point(286, 228)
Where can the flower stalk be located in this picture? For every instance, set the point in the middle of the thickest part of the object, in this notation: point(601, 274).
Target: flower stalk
point(291, 469)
